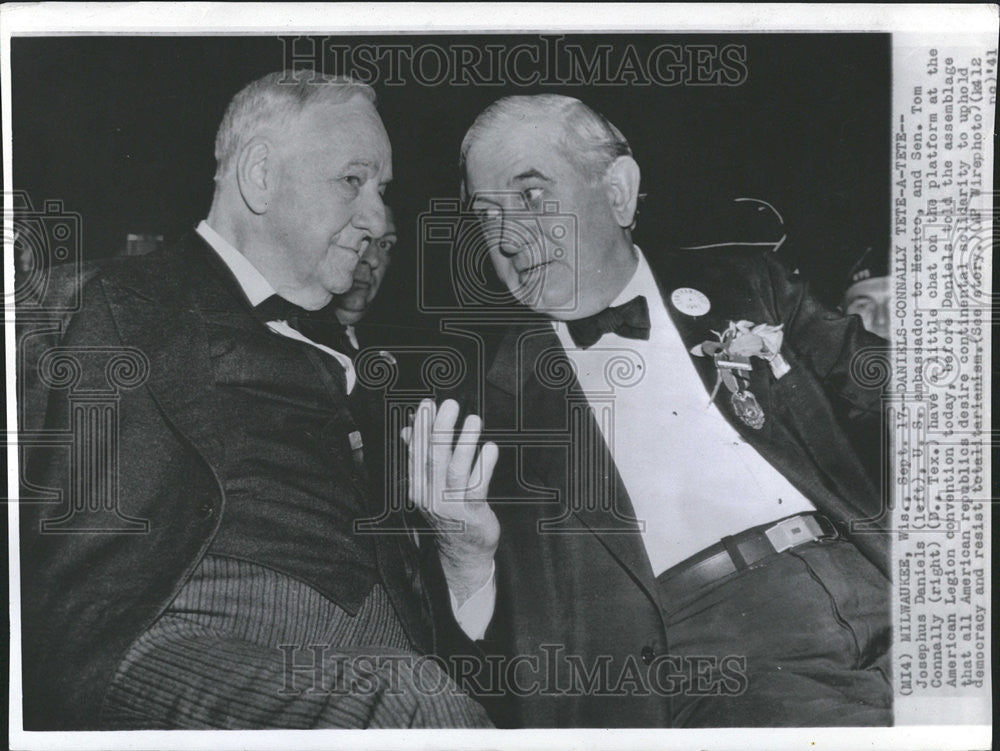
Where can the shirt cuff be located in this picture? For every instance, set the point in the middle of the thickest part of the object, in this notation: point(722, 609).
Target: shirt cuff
point(476, 613)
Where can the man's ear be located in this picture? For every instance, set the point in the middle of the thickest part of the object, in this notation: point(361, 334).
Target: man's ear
point(253, 176)
point(622, 181)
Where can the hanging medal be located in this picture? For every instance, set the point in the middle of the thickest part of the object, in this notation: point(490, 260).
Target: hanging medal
point(734, 371)
point(747, 408)
point(737, 344)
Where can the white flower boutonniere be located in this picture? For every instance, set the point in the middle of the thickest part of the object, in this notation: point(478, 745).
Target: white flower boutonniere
point(737, 344)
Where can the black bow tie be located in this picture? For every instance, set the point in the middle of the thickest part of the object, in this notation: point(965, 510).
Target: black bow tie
point(277, 308)
point(320, 326)
point(630, 320)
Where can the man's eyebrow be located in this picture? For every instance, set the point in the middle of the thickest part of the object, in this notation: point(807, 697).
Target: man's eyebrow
point(481, 196)
point(530, 175)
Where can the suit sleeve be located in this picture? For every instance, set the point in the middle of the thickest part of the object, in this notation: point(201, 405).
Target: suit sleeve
point(835, 346)
point(468, 660)
point(851, 362)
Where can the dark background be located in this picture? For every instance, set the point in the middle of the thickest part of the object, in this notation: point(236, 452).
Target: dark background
point(121, 130)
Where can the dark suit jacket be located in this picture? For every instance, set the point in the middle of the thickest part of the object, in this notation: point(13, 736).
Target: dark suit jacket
point(86, 595)
point(573, 575)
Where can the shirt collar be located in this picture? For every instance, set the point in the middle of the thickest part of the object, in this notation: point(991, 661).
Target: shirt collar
point(254, 285)
point(642, 282)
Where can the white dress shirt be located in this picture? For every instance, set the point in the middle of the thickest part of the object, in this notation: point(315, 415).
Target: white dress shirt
point(691, 477)
point(475, 614)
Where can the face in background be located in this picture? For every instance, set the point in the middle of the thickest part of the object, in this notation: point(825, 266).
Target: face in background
point(324, 181)
point(368, 275)
point(869, 299)
point(568, 265)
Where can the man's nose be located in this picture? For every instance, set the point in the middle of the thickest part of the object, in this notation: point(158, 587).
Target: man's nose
point(371, 216)
point(363, 271)
point(372, 257)
point(499, 232)
point(367, 264)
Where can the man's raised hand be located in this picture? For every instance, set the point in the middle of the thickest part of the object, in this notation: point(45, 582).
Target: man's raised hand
point(448, 482)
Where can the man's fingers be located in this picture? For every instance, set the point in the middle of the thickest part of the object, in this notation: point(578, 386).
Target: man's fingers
point(419, 449)
point(465, 452)
point(410, 464)
point(444, 429)
point(444, 421)
point(434, 468)
point(482, 473)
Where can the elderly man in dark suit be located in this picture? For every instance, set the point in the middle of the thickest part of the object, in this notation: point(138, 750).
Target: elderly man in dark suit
point(682, 530)
point(223, 582)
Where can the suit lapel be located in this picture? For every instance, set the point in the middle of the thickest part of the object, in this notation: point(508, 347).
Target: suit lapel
point(395, 553)
point(734, 295)
point(573, 458)
point(166, 321)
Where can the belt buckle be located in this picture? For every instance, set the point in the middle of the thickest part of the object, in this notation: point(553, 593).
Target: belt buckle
point(791, 532)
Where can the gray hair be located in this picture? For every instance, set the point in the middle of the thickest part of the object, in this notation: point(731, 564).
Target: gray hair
point(272, 100)
point(590, 141)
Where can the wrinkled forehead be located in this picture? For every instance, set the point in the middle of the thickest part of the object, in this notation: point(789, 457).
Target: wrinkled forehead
point(509, 149)
point(352, 128)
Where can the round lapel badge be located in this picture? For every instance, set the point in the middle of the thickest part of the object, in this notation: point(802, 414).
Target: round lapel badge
point(690, 301)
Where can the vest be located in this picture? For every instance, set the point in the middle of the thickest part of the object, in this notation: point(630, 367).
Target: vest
point(294, 484)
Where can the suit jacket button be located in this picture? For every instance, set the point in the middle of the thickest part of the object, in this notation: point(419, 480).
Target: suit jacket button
point(205, 510)
point(648, 654)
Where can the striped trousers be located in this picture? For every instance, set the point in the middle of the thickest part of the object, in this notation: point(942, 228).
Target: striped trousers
point(244, 646)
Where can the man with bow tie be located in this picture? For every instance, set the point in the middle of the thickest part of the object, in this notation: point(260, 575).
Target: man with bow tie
point(679, 532)
point(248, 598)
